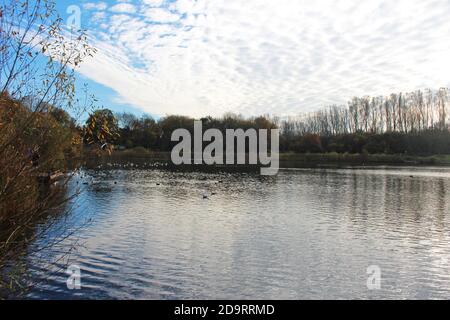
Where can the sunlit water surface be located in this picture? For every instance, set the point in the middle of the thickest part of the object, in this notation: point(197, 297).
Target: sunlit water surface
point(304, 234)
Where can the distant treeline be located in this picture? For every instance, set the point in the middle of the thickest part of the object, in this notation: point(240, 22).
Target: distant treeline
point(411, 123)
point(403, 113)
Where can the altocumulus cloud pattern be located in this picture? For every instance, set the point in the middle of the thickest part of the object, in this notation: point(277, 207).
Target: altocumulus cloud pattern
point(254, 57)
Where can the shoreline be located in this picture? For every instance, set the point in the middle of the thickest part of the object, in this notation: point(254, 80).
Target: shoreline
point(287, 159)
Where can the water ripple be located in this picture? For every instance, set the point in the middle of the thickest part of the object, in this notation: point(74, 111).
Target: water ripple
point(307, 233)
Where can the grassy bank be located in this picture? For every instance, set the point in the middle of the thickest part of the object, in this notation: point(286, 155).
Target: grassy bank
point(362, 159)
point(288, 159)
point(141, 153)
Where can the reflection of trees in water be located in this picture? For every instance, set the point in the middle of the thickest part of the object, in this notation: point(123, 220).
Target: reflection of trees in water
point(393, 200)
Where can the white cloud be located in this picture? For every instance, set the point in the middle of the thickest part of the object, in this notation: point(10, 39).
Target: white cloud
point(188, 6)
point(98, 16)
point(280, 57)
point(160, 15)
point(153, 3)
point(123, 8)
point(95, 6)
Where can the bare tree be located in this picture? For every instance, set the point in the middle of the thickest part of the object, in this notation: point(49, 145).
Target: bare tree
point(404, 113)
point(38, 57)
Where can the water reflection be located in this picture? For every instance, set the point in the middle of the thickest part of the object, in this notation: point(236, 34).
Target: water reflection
point(306, 233)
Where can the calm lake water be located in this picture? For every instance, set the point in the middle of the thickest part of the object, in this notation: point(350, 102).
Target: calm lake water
point(306, 233)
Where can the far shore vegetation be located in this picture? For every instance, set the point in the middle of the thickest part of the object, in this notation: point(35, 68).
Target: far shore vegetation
point(288, 159)
point(409, 128)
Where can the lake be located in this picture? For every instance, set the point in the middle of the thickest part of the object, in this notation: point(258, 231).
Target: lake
point(304, 234)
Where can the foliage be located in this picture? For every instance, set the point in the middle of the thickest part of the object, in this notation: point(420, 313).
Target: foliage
point(156, 135)
point(309, 135)
point(38, 58)
point(101, 127)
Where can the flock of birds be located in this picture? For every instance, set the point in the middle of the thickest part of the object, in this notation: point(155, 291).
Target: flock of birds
point(99, 186)
point(130, 165)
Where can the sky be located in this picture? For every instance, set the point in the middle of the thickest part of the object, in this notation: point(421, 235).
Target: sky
point(254, 57)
